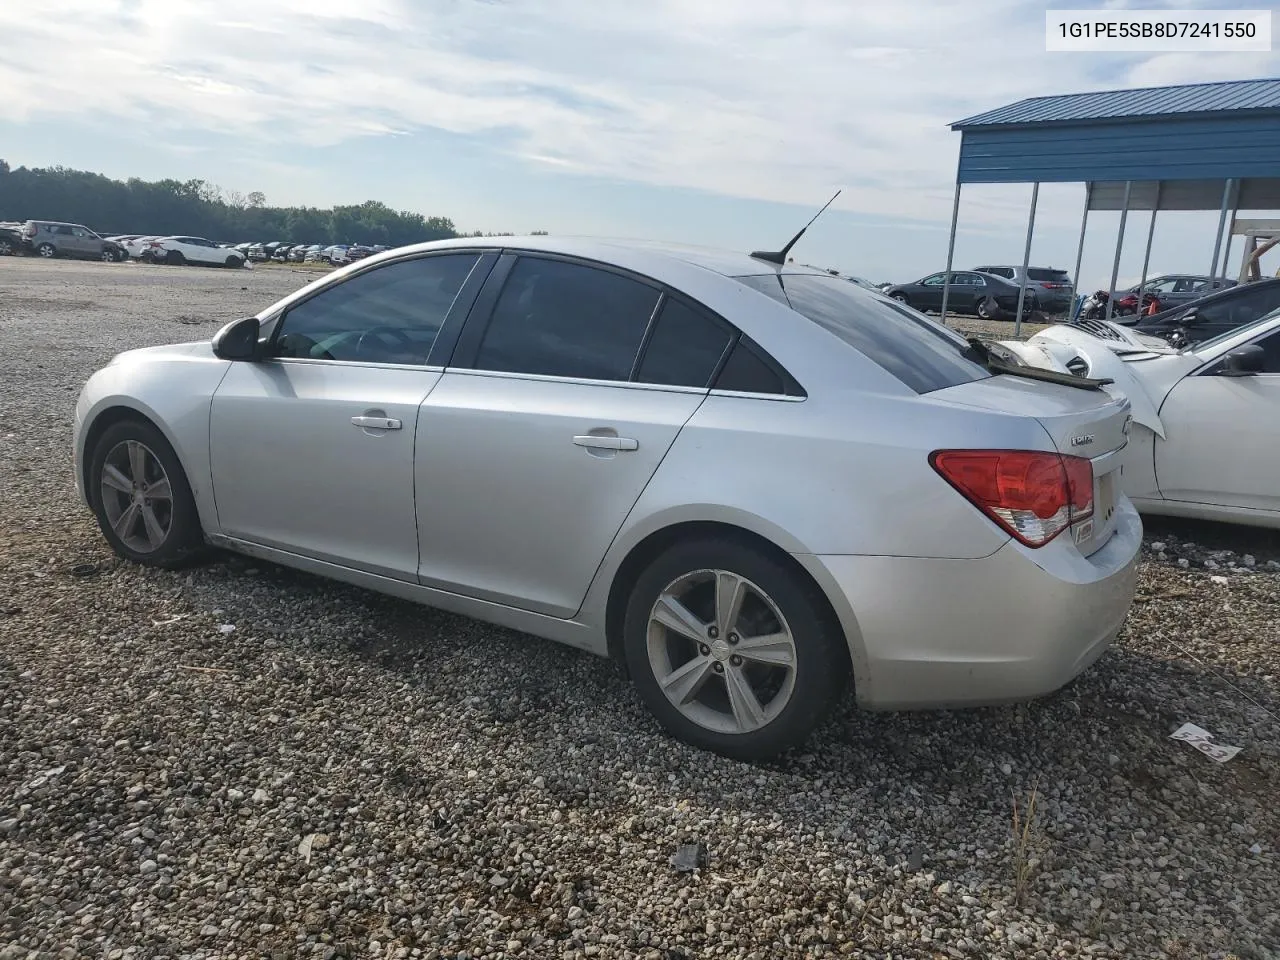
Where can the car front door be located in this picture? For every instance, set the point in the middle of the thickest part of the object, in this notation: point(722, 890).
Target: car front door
point(1222, 436)
point(312, 448)
point(926, 294)
point(1227, 311)
point(544, 431)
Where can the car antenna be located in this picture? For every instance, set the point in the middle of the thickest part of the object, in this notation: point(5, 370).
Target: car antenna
point(781, 256)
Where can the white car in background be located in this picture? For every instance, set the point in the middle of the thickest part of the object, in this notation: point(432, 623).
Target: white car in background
point(180, 250)
point(1205, 442)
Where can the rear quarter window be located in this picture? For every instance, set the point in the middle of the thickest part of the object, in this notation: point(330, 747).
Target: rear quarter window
point(923, 354)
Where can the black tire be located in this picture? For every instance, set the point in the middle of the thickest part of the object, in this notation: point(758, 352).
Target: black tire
point(988, 309)
point(122, 256)
point(184, 539)
point(47, 250)
point(108, 256)
point(900, 297)
point(174, 258)
point(6, 248)
point(233, 262)
point(821, 668)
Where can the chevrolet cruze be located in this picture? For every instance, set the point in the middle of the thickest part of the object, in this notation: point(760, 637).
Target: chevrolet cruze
point(755, 485)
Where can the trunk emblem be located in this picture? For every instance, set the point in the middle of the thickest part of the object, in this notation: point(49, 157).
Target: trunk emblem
point(1082, 441)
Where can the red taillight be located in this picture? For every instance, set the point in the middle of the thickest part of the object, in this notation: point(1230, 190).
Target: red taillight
point(1032, 495)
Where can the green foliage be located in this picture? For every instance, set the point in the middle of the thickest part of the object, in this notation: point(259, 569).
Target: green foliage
point(197, 208)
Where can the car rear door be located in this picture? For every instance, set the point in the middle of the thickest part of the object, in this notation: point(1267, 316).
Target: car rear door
point(312, 448)
point(545, 428)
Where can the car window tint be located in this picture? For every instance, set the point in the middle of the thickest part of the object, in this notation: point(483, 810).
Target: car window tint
point(1046, 275)
point(567, 320)
point(1238, 308)
point(746, 372)
point(685, 347)
point(388, 315)
point(918, 351)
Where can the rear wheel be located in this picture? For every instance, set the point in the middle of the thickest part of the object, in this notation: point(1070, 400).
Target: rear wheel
point(732, 650)
point(175, 258)
point(46, 250)
point(6, 248)
point(988, 309)
point(900, 297)
point(141, 497)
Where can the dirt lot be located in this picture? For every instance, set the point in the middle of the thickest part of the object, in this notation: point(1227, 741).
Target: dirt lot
point(347, 775)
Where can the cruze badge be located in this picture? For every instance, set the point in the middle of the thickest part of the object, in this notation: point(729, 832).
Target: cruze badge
point(1082, 441)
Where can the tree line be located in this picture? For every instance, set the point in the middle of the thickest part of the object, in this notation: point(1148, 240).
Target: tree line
point(198, 208)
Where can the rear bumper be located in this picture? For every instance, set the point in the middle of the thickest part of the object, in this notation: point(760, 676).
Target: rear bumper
point(1018, 624)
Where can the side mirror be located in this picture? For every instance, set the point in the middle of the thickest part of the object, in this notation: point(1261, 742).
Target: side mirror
point(1244, 361)
point(238, 340)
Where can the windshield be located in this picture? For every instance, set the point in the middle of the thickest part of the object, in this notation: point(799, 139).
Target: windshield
point(923, 354)
point(1051, 276)
point(1203, 345)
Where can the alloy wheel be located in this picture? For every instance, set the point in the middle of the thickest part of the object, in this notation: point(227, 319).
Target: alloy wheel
point(137, 496)
point(721, 651)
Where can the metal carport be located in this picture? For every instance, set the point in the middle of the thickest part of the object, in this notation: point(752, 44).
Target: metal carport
point(1208, 146)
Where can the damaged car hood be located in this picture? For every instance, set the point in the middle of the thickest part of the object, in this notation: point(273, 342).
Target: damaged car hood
point(1142, 368)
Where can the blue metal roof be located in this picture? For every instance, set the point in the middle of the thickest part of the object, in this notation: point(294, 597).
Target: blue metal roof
point(1199, 98)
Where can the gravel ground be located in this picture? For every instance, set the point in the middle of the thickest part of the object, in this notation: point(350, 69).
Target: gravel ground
point(243, 761)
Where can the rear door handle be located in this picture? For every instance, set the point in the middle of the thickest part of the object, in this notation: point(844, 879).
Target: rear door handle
point(606, 443)
point(376, 423)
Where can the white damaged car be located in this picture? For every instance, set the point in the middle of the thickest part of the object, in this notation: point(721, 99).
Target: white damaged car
point(1205, 441)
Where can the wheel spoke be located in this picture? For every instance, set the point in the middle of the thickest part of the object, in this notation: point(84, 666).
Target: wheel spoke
point(160, 490)
point(125, 522)
point(730, 592)
point(155, 532)
point(683, 684)
point(742, 699)
point(775, 649)
point(137, 461)
point(113, 478)
point(675, 616)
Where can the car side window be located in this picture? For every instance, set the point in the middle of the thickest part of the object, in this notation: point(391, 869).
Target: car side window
point(1240, 308)
point(1188, 285)
point(685, 347)
point(933, 281)
point(388, 315)
point(566, 319)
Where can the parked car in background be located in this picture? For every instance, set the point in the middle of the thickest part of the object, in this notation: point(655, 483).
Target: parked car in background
point(336, 254)
point(990, 297)
point(1213, 316)
point(1205, 441)
point(10, 239)
point(1054, 289)
point(315, 254)
point(1176, 290)
point(176, 251)
point(257, 252)
point(243, 248)
point(358, 252)
point(52, 238)
point(469, 434)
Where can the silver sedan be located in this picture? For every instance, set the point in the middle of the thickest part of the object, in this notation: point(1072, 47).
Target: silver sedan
point(753, 485)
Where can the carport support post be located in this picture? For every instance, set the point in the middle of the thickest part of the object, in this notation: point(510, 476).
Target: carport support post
point(951, 249)
point(1151, 232)
point(1115, 264)
point(1084, 222)
point(1235, 213)
point(1222, 219)
point(1026, 258)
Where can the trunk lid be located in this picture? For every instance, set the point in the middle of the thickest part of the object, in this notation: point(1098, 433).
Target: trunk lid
point(1093, 424)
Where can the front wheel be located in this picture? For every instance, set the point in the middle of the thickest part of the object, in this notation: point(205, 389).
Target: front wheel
point(6, 248)
point(232, 262)
point(109, 257)
point(46, 250)
point(732, 650)
point(175, 258)
point(141, 497)
point(988, 309)
point(900, 297)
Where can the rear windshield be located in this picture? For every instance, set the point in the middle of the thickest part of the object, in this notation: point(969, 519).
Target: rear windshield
point(923, 354)
point(1052, 276)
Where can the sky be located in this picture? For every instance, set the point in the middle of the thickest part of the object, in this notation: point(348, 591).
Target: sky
point(717, 122)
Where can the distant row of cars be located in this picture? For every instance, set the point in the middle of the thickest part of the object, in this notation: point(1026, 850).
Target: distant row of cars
point(51, 238)
point(282, 252)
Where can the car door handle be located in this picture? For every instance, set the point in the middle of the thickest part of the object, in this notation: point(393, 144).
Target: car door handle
point(376, 423)
point(606, 443)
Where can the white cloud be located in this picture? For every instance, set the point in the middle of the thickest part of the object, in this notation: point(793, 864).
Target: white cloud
point(748, 98)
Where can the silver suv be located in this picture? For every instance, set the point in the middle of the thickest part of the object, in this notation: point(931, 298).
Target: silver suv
point(50, 238)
